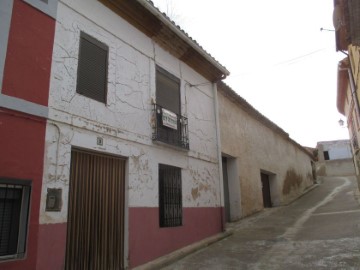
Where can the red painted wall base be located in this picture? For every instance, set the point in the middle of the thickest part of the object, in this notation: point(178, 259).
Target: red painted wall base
point(147, 241)
point(51, 246)
point(22, 157)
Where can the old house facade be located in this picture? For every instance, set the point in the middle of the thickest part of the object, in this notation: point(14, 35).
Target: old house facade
point(262, 165)
point(131, 156)
point(347, 39)
point(335, 158)
point(110, 140)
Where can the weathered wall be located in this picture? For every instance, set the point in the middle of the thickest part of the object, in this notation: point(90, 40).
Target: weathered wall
point(124, 123)
point(338, 167)
point(257, 148)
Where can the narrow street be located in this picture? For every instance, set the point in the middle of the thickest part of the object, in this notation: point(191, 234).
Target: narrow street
point(321, 230)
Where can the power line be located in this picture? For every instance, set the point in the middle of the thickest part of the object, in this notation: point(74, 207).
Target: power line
point(285, 62)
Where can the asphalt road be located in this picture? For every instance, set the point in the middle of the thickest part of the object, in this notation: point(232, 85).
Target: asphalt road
point(321, 230)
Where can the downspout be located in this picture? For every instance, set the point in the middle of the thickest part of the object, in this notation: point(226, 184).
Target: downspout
point(218, 143)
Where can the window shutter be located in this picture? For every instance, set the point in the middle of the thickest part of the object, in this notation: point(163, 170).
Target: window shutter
point(167, 91)
point(354, 12)
point(92, 69)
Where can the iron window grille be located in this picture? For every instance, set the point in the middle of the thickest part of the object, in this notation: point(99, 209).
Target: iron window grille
point(161, 132)
point(92, 68)
point(170, 196)
point(14, 210)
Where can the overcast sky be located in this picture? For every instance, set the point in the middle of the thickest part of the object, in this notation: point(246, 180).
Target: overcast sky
point(279, 60)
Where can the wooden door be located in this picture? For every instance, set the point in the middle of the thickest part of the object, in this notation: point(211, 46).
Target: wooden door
point(265, 182)
point(95, 229)
point(226, 189)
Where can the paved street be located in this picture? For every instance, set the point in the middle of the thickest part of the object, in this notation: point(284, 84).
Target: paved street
point(321, 230)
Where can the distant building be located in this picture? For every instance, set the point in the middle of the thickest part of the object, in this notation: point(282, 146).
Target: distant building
point(331, 150)
point(335, 158)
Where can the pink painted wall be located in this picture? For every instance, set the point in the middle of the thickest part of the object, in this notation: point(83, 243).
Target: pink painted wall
point(29, 54)
point(22, 157)
point(27, 76)
point(147, 241)
point(51, 246)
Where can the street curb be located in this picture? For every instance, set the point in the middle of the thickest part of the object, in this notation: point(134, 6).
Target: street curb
point(183, 252)
point(306, 191)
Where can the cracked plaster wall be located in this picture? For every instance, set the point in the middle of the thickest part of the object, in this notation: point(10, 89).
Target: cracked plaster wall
point(124, 122)
point(259, 149)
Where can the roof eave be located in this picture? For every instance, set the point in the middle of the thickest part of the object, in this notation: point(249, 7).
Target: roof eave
point(143, 15)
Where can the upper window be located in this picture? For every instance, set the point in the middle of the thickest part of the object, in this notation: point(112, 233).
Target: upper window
point(170, 125)
point(92, 68)
point(14, 209)
point(167, 91)
point(170, 196)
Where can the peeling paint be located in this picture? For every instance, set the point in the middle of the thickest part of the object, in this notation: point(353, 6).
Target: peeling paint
point(125, 121)
point(195, 193)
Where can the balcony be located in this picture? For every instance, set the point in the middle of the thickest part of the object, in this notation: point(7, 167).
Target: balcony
point(170, 128)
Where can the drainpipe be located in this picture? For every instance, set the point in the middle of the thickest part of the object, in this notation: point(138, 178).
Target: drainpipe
point(218, 143)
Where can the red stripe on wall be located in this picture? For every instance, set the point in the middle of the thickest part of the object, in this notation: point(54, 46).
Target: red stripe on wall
point(147, 241)
point(29, 54)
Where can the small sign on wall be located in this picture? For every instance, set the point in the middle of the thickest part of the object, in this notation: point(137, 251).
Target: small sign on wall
point(169, 119)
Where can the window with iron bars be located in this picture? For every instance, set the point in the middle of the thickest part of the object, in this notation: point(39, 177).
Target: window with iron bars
point(170, 196)
point(169, 126)
point(14, 210)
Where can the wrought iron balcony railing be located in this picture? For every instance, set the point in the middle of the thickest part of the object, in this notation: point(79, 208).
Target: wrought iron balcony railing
point(170, 128)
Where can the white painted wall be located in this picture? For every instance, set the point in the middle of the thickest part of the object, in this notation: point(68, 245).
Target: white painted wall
point(124, 122)
point(340, 149)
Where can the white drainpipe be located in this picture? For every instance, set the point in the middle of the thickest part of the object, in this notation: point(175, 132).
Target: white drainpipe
point(218, 143)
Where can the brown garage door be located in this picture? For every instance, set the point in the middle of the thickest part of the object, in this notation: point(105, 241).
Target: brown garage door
point(95, 230)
